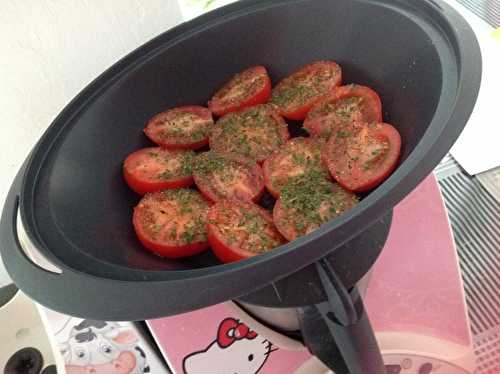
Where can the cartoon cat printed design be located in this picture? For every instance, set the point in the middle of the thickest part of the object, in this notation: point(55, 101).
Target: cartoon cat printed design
point(236, 350)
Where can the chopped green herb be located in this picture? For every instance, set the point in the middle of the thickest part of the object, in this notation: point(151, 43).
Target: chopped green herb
point(185, 167)
point(210, 162)
point(343, 134)
point(298, 159)
point(305, 198)
point(253, 133)
point(188, 235)
point(172, 234)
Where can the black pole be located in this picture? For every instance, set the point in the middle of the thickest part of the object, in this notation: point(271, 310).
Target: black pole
point(338, 330)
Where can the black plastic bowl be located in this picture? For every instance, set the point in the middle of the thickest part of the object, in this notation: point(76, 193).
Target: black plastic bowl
point(420, 56)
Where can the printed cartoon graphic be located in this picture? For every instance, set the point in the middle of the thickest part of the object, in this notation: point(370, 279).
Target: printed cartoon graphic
point(237, 350)
point(97, 347)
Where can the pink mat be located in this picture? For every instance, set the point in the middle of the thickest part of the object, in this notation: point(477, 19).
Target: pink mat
point(405, 292)
point(414, 282)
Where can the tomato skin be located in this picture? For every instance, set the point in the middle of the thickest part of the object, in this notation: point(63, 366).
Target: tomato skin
point(286, 230)
point(192, 146)
point(267, 180)
point(168, 251)
point(144, 185)
point(223, 251)
point(298, 114)
point(300, 109)
point(350, 173)
point(370, 111)
point(142, 188)
point(154, 134)
point(219, 106)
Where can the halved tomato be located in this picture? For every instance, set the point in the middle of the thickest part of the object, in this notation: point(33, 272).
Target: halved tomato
point(172, 223)
point(346, 104)
point(154, 169)
point(252, 132)
point(307, 203)
point(238, 230)
point(225, 176)
point(184, 127)
point(248, 88)
point(297, 157)
point(297, 93)
point(362, 156)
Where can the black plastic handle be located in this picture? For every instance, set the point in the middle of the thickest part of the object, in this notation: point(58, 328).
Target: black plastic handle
point(338, 330)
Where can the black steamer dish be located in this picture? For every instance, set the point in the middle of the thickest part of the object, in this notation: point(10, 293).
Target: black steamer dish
point(66, 224)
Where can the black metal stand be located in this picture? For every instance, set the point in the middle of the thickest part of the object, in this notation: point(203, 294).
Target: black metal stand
point(338, 331)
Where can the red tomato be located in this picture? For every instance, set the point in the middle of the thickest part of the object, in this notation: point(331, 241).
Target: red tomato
point(154, 169)
point(184, 127)
point(248, 88)
point(362, 156)
point(172, 223)
point(224, 176)
point(238, 230)
point(297, 157)
point(297, 93)
point(307, 203)
point(346, 104)
point(252, 132)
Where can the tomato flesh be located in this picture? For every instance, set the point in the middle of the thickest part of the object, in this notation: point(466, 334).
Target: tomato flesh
point(362, 157)
point(297, 157)
point(154, 169)
point(297, 93)
point(307, 203)
point(185, 127)
point(225, 176)
point(253, 132)
point(172, 223)
point(314, 179)
point(247, 88)
point(239, 230)
point(344, 106)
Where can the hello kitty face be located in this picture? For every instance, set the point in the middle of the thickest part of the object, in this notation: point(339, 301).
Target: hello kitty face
point(237, 350)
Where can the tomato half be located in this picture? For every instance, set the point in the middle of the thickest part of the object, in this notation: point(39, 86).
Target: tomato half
point(345, 105)
point(362, 157)
point(297, 157)
point(307, 203)
point(225, 176)
point(185, 127)
point(238, 230)
point(154, 169)
point(172, 223)
point(252, 132)
point(297, 93)
point(248, 88)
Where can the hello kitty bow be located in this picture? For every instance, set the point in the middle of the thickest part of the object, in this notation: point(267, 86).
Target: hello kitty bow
point(231, 330)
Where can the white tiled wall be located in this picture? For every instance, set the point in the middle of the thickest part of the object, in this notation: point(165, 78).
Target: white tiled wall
point(193, 8)
point(50, 49)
